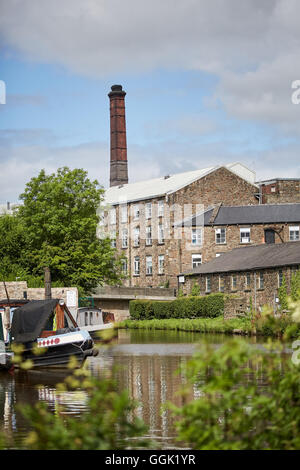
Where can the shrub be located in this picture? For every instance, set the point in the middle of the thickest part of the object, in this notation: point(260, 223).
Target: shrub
point(209, 306)
point(232, 413)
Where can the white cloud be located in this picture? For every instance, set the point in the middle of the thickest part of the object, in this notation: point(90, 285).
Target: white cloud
point(252, 46)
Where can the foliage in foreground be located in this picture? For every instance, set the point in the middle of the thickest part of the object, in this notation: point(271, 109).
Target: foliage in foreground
point(109, 423)
point(234, 412)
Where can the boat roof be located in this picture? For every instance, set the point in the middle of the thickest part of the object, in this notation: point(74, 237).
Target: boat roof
point(30, 320)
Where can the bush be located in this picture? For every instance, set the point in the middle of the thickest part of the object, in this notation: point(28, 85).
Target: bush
point(232, 413)
point(210, 306)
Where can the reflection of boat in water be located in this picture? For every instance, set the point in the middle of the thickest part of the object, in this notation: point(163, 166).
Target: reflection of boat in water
point(93, 320)
point(49, 324)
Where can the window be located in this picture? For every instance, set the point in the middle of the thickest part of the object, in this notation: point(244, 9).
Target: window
point(124, 213)
point(148, 235)
point(247, 281)
point(208, 284)
point(221, 283)
point(160, 209)
point(161, 238)
point(136, 212)
point(124, 238)
point(220, 235)
point(280, 277)
point(113, 239)
point(294, 233)
point(124, 266)
point(136, 239)
point(149, 265)
point(148, 210)
point(196, 236)
point(260, 280)
point(233, 282)
point(245, 235)
point(196, 260)
point(161, 264)
point(136, 269)
point(113, 216)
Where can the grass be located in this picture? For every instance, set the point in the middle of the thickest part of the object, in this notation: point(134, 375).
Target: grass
point(202, 325)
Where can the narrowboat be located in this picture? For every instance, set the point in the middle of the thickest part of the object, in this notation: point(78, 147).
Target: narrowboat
point(48, 324)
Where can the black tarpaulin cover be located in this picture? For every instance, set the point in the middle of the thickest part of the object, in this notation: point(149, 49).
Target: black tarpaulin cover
point(29, 320)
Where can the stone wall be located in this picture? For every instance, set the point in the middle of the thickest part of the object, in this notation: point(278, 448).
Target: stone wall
point(280, 191)
point(209, 249)
point(219, 186)
point(19, 290)
point(249, 293)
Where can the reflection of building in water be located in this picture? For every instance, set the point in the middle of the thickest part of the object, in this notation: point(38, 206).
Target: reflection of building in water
point(152, 381)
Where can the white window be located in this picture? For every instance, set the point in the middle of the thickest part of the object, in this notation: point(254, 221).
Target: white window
point(280, 277)
point(161, 264)
point(247, 281)
point(148, 210)
point(124, 238)
point(124, 266)
point(148, 264)
point(245, 235)
point(113, 216)
point(136, 269)
point(124, 213)
point(161, 238)
point(197, 236)
point(136, 238)
point(233, 282)
point(294, 233)
point(208, 284)
point(160, 209)
point(113, 239)
point(148, 235)
point(220, 235)
point(221, 283)
point(196, 260)
point(136, 212)
point(260, 280)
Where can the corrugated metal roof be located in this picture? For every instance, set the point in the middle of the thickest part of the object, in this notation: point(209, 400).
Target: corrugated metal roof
point(255, 214)
point(252, 258)
point(166, 185)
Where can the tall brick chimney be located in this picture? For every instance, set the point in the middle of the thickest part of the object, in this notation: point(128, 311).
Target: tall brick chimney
point(118, 145)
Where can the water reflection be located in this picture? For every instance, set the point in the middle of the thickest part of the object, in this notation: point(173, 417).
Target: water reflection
point(150, 364)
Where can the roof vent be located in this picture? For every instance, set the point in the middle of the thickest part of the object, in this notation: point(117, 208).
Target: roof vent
point(166, 177)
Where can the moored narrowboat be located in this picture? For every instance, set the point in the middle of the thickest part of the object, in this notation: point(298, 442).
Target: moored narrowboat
point(49, 324)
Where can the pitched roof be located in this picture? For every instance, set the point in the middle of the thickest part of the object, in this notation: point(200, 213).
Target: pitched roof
point(241, 215)
point(252, 258)
point(168, 184)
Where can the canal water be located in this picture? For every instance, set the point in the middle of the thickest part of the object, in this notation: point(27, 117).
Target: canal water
point(150, 365)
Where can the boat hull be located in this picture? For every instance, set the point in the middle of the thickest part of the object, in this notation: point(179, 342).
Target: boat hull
point(56, 351)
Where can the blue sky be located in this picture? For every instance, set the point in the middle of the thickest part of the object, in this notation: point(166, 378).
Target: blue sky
point(206, 83)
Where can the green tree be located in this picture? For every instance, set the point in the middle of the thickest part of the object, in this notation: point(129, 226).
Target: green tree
point(60, 218)
point(11, 248)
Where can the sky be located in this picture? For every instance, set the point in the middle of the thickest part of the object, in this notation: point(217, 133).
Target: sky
point(207, 83)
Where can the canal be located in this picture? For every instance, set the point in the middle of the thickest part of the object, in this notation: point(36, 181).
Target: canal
point(150, 365)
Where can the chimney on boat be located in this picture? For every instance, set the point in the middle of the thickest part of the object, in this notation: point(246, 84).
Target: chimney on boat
point(118, 143)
